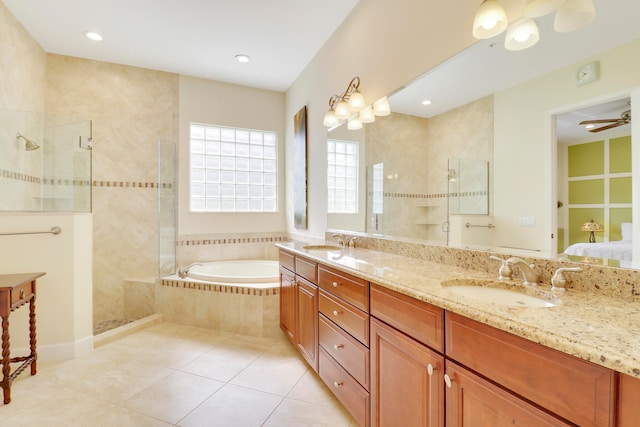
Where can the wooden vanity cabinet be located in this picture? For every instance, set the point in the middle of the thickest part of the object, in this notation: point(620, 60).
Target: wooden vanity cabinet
point(343, 314)
point(628, 401)
point(407, 387)
point(288, 303)
point(573, 389)
point(299, 304)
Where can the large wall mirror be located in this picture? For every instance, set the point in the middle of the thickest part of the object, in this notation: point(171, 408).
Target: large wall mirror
point(519, 113)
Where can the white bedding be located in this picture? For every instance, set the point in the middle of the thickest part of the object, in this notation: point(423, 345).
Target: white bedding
point(618, 250)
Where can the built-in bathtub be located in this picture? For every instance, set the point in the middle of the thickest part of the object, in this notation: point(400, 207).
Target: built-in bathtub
point(239, 296)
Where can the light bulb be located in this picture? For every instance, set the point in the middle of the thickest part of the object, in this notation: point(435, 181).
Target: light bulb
point(356, 101)
point(522, 34)
point(342, 110)
point(490, 20)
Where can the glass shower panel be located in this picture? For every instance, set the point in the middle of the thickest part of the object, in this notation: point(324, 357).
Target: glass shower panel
point(166, 208)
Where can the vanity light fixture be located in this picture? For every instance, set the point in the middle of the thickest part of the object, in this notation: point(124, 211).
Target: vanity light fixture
point(522, 32)
point(350, 105)
point(92, 35)
point(426, 102)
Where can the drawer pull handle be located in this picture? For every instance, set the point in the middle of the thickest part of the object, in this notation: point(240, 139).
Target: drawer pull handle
point(335, 284)
point(21, 293)
point(338, 346)
point(337, 384)
point(430, 369)
point(336, 313)
point(447, 380)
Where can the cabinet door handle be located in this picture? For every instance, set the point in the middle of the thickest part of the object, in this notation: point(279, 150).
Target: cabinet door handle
point(337, 384)
point(21, 293)
point(447, 380)
point(338, 346)
point(335, 284)
point(430, 369)
point(336, 312)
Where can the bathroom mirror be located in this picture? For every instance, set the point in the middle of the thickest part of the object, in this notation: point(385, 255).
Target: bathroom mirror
point(512, 99)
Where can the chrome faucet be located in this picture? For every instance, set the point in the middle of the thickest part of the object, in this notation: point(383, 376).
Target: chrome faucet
point(530, 276)
point(558, 281)
point(183, 271)
point(340, 238)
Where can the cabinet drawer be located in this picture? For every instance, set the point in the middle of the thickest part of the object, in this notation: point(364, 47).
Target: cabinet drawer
point(574, 389)
point(286, 260)
point(307, 269)
point(420, 320)
point(349, 288)
point(354, 398)
point(21, 293)
point(347, 351)
point(345, 316)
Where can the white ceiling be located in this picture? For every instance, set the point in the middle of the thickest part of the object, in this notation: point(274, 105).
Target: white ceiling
point(191, 37)
point(487, 67)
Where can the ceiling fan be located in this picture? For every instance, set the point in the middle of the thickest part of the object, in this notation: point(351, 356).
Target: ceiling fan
point(625, 118)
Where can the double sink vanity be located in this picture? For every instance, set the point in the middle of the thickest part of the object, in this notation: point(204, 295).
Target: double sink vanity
point(404, 341)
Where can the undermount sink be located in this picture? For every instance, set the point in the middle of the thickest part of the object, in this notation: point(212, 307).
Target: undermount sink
point(322, 248)
point(499, 295)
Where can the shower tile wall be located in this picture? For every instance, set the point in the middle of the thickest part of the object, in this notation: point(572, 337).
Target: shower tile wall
point(131, 110)
point(22, 87)
point(415, 153)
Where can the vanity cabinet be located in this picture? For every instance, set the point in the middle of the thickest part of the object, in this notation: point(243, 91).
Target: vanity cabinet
point(299, 304)
point(628, 400)
point(343, 319)
point(407, 368)
point(576, 390)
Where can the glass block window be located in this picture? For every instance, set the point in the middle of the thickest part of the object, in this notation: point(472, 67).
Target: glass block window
point(342, 176)
point(233, 170)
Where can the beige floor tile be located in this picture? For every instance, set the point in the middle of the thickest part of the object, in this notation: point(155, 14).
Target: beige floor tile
point(311, 389)
point(233, 406)
point(123, 381)
point(271, 373)
point(223, 363)
point(173, 397)
point(293, 412)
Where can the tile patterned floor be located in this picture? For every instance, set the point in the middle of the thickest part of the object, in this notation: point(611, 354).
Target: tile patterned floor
point(172, 375)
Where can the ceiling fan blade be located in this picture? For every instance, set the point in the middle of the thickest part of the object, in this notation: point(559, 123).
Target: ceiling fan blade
point(588, 122)
point(611, 126)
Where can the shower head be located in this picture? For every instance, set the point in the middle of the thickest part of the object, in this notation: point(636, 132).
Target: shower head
point(29, 144)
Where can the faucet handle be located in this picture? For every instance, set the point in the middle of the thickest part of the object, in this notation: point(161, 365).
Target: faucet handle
point(558, 281)
point(340, 238)
point(351, 241)
point(505, 271)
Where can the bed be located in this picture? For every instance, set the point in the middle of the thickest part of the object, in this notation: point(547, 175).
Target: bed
point(619, 250)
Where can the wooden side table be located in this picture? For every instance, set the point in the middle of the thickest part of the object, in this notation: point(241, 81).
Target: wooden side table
point(15, 291)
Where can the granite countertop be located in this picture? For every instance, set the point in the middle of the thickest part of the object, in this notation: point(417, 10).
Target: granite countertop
point(601, 329)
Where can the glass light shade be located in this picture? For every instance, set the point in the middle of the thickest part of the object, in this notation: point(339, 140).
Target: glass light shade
point(356, 101)
point(354, 123)
point(381, 107)
point(538, 8)
point(574, 15)
point(330, 119)
point(490, 20)
point(367, 116)
point(521, 35)
point(342, 110)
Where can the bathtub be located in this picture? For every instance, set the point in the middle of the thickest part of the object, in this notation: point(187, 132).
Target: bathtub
point(237, 271)
point(239, 296)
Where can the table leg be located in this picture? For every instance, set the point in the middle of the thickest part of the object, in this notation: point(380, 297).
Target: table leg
point(6, 360)
point(32, 334)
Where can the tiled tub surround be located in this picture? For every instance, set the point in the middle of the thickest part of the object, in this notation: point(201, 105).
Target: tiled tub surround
point(248, 309)
point(596, 319)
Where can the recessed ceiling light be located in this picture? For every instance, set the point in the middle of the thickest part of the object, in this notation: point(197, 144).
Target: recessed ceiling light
point(426, 102)
point(243, 58)
point(92, 35)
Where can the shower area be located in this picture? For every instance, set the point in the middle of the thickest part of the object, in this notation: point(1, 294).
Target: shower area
point(46, 162)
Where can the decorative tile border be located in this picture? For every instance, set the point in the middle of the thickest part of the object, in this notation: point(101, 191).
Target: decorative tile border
point(227, 289)
point(233, 240)
point(18, 176)
point(432, 196)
